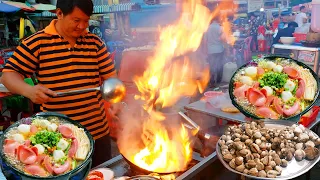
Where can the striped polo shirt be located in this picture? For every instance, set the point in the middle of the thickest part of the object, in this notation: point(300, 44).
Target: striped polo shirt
point(61, 67)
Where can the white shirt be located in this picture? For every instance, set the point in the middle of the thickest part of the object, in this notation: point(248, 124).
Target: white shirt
point(300, 18)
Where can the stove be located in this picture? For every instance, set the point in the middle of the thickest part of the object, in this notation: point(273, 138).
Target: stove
point(121, 168)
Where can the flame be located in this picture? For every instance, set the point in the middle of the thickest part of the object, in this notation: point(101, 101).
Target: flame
point(171, 74)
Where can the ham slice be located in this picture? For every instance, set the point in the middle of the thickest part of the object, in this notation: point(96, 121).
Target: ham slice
point(63, 168)
point(267, 112)
point(241, 91)
point(65, 131)
point(33, 129)
point(10, 146)
point(293, 73)
point(277, 105)
point(48, 165)
point(292, 110)
point(237, 84)
point(264, 92)
point(40, 158)
point(27, 142)
point(256, 85)
point(270, 100)
point(26, 155)
point(35, 170)
point(260, 71)
point(301, 89)
point(74, 147)
point(256, 97)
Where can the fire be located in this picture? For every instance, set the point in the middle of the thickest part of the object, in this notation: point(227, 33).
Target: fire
point(167, 153)
point(171, 74)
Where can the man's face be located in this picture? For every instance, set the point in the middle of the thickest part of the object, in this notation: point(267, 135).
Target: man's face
point(304, 10)
point(75, 23)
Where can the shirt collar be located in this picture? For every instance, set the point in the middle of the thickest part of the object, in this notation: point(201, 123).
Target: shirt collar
point(51, 29)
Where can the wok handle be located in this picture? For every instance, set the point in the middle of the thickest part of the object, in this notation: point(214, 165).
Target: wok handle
point(77, 91)
point(203, 135)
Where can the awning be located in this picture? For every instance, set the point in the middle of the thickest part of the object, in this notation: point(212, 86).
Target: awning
point(125, 7)
point(116, 8)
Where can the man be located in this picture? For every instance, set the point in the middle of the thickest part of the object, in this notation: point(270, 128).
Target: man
point(301, 18)
point(215, 51)
point(286, 32)
point(66, 57)
point(254, 25)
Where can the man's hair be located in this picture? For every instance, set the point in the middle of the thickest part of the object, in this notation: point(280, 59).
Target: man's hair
point(302, 7)
point(67, 6)
point(293, 24)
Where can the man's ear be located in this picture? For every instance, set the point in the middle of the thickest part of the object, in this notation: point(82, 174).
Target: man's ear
point(59, 13)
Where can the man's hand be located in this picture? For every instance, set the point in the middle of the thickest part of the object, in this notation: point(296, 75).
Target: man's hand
point(39, 94)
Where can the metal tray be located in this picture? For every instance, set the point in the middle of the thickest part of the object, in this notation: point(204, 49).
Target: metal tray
point(294, 168)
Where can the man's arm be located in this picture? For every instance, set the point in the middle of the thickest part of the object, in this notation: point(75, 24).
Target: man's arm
point(106, 65)
point(23, 63)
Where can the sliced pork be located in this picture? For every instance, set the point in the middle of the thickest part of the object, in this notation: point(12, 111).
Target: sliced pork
point(301, 89)
point(292, 110)
point(65, 131)
point(35, 170)
point(74, 147)
point(256, 97)
point(10, 146)
point(26, 155)
point(293, 73)
point(267, 112)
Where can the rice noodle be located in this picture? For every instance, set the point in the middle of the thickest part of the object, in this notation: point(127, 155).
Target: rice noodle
point(83, 141)
point(311, 83)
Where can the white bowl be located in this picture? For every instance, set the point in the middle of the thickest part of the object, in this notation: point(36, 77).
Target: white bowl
point(287, 40)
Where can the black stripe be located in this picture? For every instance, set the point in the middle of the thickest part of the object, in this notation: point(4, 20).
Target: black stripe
point(35, 34)
point(102, 54)
point(67, 72)
point(87, 43)
point(107, 65)
point(85, 49)
point(42, 45)
point(92, 117)
point(108, 72)
point(35, 40)
point(93, 36)
point(70, 79)
point(84, 112)
point(31, 52)
point(59, 58)
point(66, 65)
point(101, 47)
point(97, 134)
point(11, 68)
point(99, 127)
point(83, 105)
point(23, 63)
point(17, 68)
point(56, 51)
point(26, 57)
point(73, 100)
point(74, 86)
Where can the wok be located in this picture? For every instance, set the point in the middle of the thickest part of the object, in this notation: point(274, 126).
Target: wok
point(294, 118)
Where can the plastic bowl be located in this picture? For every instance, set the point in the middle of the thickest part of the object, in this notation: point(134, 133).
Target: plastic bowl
point(287, 40)
point(211, 94)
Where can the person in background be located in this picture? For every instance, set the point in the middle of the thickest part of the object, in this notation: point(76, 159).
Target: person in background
point(11, 42)
point(215, 50)
point(254, 25)
point(66, 57)
point(286, 32)
point(28, 32)
point(301, 18)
